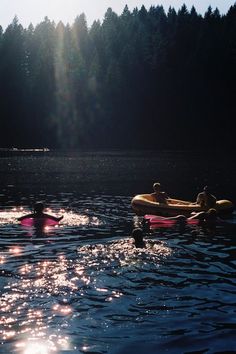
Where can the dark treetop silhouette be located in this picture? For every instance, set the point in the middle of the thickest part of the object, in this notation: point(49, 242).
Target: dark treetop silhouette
point(144, 79)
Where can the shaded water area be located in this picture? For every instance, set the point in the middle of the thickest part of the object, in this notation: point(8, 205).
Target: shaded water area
point(82, 287)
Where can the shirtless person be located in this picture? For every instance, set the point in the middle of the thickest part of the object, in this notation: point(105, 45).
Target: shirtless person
point(159, 196)
point(205, 217)
point(206, 199)
point(39, 213)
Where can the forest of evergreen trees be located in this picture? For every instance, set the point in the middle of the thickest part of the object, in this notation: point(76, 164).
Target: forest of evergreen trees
point(144, 79)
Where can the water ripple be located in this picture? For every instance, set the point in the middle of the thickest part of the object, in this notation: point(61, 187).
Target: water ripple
point(83, 287)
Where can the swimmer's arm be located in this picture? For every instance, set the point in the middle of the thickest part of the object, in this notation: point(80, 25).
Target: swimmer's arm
point(56, 218)
point(196, 215)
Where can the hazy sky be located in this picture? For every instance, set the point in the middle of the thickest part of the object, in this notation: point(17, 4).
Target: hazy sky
point(66, 10)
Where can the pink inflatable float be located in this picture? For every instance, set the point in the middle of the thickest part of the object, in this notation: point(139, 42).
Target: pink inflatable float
point(39, 222)
point(160, 221)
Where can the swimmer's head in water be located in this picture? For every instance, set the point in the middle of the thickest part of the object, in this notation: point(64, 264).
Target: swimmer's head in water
point(137, 234)
point(181, 219)
point(38, 207)
point(211, 213)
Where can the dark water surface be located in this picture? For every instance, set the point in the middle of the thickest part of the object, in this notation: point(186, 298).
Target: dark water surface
point(81, 287)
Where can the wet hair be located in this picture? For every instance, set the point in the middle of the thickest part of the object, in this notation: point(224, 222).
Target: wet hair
point(137, 234)
point(38, 207)
point(211, 213)
point(181, 219)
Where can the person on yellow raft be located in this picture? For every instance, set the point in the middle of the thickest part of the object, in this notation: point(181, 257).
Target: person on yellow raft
point(205, 199)
point(159, 195)
point(38, 213)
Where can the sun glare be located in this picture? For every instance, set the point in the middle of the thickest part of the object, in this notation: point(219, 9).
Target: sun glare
point(53, 345)
point(36, 348)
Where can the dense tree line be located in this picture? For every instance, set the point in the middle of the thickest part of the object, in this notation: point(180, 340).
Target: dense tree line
point(144, 79)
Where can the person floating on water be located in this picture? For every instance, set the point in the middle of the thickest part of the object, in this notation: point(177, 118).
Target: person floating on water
point(137, 235)
point(205, 199)
point(39, 214)
point(204, 216)
point(208, 218)
point(158, 195)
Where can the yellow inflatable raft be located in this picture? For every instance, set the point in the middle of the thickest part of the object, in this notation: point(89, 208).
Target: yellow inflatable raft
point(145, 204)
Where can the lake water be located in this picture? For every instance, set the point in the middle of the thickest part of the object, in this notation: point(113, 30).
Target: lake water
point(82, 287)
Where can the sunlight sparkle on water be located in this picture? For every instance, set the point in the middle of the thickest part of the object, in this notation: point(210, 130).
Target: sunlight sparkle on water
point(38, 348)
point(25, 269)
point(63, 310)
point(11, 216)
point(102, 290)
point(16, 250)
point(54, 344)
point(55, 280)
point(85, 348)
point(8, 334)
point(2, 259)
point(74, 219)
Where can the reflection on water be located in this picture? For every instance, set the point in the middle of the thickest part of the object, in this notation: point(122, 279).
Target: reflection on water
point(54, 295)
point(82, 287)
